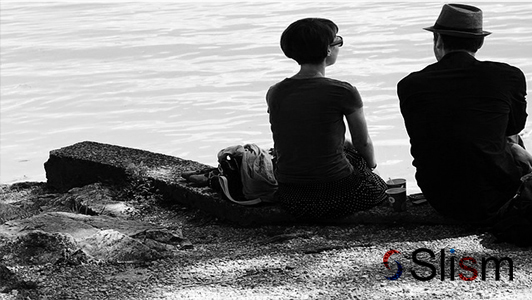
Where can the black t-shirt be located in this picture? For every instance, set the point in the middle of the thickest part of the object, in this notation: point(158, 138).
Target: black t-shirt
point(307, 122)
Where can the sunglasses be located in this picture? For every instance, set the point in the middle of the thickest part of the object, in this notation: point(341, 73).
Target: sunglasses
point(339, 41)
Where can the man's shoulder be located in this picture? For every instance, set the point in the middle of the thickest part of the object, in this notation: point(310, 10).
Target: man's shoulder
point(278, 84)
point(419, 73)
point(489, 67)
point(499, 66)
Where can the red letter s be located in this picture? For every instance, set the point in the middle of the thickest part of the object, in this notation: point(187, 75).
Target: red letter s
point(468, 268)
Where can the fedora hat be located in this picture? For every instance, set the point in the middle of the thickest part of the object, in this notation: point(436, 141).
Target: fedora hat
point(459, 20)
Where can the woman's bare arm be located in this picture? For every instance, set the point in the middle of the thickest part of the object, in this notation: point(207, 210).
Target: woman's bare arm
point(360, 137)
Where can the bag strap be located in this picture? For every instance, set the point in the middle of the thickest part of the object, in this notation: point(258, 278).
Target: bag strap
point(225, 189)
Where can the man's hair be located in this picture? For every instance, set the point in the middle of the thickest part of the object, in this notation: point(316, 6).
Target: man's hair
point(471, 44)
point(307, 40)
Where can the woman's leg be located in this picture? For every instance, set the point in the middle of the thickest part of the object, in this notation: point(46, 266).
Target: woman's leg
point(372, 187)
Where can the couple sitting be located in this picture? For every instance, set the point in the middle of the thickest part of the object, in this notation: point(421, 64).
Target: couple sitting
point(462, 116)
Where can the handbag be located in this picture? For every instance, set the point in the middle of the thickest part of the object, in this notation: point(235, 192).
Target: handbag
point(246, 175)
point(514, 218)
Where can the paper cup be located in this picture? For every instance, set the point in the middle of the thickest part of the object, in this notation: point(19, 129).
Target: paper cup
point(397, 198)
point(396, 183)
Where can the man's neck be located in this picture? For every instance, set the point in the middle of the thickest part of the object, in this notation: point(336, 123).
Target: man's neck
point(455, 51)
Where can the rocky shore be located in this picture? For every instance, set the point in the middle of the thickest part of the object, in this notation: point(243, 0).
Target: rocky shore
point(68, 246)
point(128, 239)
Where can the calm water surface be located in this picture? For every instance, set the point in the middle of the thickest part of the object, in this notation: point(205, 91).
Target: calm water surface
point(187, 79)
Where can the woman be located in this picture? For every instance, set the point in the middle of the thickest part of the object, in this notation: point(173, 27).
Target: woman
point(320, 176)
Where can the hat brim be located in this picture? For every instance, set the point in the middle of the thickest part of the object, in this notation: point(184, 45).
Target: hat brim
point(458, 33)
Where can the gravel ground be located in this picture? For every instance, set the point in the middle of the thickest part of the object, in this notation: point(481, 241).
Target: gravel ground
point(295, 262)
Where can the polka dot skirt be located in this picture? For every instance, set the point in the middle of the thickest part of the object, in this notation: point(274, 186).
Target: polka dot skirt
point(361, 190)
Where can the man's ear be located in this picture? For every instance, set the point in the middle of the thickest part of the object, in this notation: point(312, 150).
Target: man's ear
point(481, 43)
point(438, 42)
point(438, 47)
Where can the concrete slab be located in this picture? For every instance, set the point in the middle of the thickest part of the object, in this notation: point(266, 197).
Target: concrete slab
point(89, 162)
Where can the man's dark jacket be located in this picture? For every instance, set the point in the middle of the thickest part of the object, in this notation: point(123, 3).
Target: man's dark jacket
point(458, 113)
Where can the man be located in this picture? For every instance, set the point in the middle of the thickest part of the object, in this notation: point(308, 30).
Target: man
point(463, 116)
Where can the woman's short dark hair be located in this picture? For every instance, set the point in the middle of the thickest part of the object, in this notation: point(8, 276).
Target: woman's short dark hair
point(471, 44)
point(307, 40)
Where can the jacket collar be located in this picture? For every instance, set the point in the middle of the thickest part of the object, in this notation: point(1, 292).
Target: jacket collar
point(459, 55)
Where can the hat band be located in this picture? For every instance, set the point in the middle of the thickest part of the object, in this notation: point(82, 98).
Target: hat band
point(470, 30)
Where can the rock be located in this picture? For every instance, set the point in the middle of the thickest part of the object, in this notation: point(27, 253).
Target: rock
point(160, 235)
point(94, 199)
point(113, 246)
point(76, 258)
point(11, 212)
point(53, 236)
point(75, 225)
point(164, 237)
point(38, 248)
point(89, 162)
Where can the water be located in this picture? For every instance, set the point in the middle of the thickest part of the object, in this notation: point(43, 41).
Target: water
point(188, 79)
